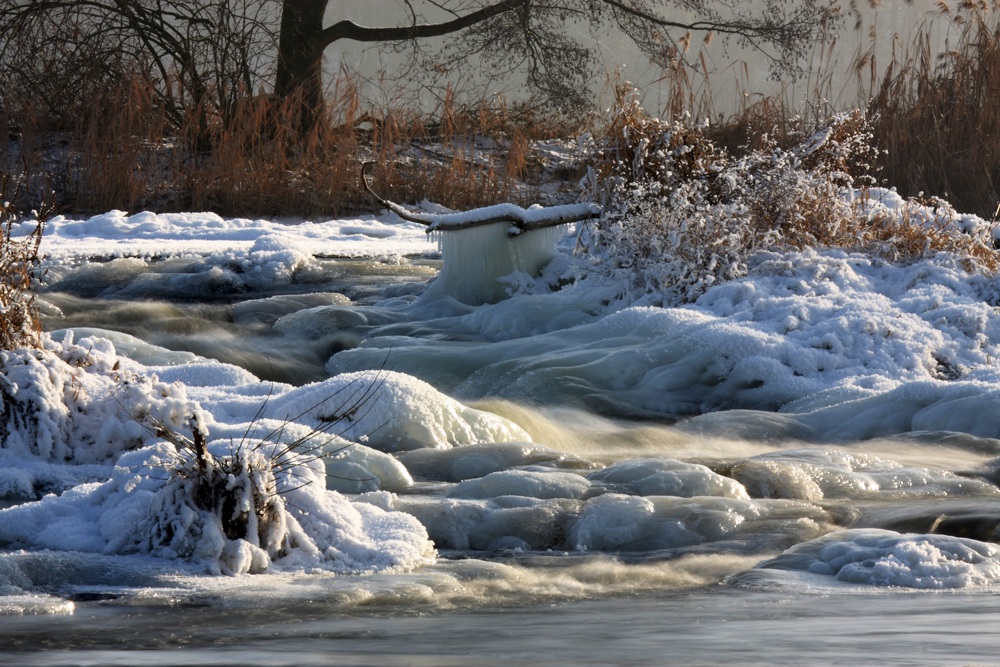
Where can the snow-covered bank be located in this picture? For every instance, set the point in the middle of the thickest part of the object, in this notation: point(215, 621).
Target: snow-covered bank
point(146, 234)
point(845, 346)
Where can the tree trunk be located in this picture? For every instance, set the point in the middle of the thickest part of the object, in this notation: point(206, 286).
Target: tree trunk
point(300, 57)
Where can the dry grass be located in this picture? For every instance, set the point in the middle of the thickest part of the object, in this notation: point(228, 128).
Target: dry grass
point(936, 114)
point(19, 260)
point(125, 152)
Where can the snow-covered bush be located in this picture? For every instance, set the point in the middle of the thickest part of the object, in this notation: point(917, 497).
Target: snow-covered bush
point(69, 402)
point(681, 214)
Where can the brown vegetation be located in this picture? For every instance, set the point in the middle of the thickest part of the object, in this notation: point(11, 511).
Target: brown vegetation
point(682, 213)
point(125, 152)
point(19, 261)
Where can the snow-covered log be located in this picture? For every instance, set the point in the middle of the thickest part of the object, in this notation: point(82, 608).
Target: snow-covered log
point(522, 220)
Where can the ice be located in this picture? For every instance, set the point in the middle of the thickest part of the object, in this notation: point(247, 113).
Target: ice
point(610, 522)
point(326, 320)
point(884, 558)
point(271, 309)
point(666, 477)
point(526, 483)
point(354, 468)
point(474, 258)
point(630, 523)
point(402, 413)
point(815, 474)
point(473, 461)
point(507, 522)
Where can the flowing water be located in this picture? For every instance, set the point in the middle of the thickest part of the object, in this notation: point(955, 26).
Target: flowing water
point(563, 561)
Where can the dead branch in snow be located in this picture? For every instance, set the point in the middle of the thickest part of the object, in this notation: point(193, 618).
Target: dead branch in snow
point(522, 220)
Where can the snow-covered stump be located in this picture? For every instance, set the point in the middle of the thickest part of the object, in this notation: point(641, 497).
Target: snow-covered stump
point(480, 246)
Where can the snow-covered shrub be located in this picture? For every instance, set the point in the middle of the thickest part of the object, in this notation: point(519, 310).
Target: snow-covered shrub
point(68, 402)
point(681, 214)
point(18, 260)
point(224, 509)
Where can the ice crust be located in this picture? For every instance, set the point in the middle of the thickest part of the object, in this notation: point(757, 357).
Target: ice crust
point(666, 477)
point(884, 558)
point(815, 474)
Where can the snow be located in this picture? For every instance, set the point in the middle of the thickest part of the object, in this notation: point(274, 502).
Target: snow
point(884, 558)
point(148, 234)
point(666, 477)
point(407, 449)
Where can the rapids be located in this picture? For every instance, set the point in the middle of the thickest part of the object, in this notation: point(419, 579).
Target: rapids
point(800, 467)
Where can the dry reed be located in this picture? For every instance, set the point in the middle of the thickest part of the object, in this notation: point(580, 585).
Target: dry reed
point(127, 153)
point(19, 260)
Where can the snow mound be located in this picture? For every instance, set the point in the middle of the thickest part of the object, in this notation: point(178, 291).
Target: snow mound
point(76, 402)
point(253, 510)
point(359, 469)
point(526, 483)
point(814, 474)
point(392, 412)
point(665, 477)
point(885, 558)
point(473, 461)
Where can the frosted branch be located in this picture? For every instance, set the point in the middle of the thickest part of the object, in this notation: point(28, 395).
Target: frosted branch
point(522, 220)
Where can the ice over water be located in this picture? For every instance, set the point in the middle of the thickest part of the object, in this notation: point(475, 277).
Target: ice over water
point(769, 408)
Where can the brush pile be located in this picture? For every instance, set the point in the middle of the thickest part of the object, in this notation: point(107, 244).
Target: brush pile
point(683, 215)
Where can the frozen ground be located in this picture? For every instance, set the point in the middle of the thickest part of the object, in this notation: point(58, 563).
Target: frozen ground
point(826, 426)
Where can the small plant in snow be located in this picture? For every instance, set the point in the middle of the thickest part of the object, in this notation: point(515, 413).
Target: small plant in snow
point(682, 215)
point(231, 508)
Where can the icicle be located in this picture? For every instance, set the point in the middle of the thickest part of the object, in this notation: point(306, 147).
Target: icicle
point(474, 258)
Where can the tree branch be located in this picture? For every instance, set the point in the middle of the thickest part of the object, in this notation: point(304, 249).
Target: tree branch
point(353, 31)
point(521, 220)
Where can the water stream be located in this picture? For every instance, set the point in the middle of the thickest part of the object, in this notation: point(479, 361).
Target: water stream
point(542, 570)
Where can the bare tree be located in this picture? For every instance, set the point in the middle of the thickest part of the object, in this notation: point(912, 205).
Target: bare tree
point(198, 52)
point(535, 37)
point(213, 49)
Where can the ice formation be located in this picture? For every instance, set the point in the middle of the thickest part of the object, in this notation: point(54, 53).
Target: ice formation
point(610, 522)
point(527, 483)
point(474, 461)
point(474, 258)
point(884, 558)
point(666, 477)
point(814, 474)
